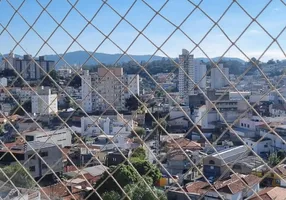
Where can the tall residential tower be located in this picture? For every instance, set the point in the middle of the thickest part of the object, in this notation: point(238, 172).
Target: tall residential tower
point(196, 75)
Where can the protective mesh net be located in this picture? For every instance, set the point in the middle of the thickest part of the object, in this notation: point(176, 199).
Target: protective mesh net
point(172, 123)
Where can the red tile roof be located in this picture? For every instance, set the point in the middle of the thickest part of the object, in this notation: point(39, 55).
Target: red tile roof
point(61, 190)
point(270, 193)
point(232, 185)
point(184, 143)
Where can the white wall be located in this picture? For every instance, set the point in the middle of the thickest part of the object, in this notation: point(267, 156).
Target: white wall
point(249, 124)
point(61, 137)
point(44, 104)
point(262, 146)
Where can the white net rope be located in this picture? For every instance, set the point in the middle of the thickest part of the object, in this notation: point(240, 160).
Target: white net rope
point(48, 169)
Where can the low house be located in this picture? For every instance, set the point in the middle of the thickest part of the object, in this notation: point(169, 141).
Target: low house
point(276, 193)
point(217, 164)
point(26, 152)
point(260, 146)
point(91, 174)
point(272, 179)
point(9, 192)
point(115, 158)
point(177, 161)
point(247, 165)
point(182, 143)
point(63, 192)
point(238, 186)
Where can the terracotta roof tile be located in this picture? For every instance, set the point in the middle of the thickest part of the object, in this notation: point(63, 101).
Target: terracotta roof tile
point(270, 193)
point(61, 190)
point(230, 186)
point(184, 143)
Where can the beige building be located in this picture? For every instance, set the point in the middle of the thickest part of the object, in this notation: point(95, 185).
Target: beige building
point(107, 87)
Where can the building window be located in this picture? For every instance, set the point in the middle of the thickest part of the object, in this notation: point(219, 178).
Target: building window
point(211, 162)
point(32, 168)
point(247, 125)
point(44, 154)
point(29, 138)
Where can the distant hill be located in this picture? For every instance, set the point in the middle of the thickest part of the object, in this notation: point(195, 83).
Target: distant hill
point(224, 58)
point(80, 57)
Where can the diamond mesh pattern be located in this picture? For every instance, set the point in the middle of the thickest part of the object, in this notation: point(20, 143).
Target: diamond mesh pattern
point(82, 161)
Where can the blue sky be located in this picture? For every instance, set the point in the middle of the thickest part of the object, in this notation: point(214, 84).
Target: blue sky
point(253, 42)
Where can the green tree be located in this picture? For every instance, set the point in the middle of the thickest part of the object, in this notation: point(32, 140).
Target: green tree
point(139, 131)
point(157, 126)
point(20, 179)
point(142, 192)
point(132, 103)
point(124, 175)
point(139, 153)
point(273, 159)
point(111, 195)
point(75, 82)
point(49, 81)
point(27, 106)
point(145, 168)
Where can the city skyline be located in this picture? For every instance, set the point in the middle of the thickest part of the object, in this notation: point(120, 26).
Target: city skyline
point(253, 42)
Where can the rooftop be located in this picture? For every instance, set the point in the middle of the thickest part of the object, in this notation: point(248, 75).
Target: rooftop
point(93, 171)
point(255, 139)
point(17, 147)
point(276, 193)
point(251, 162)
point(227, 154)
point(232, 185)
point(46, 132)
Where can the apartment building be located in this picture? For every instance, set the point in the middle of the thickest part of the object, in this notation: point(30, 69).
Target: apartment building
point(44, 102)
point(196, 75)
point(218, 75)
point(186, 86)
point(105, 88)
point(28, 67)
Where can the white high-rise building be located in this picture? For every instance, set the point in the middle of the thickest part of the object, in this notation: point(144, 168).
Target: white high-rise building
point(217, 78)
point(200, 74)
point(44, 102)
point(109, 89)
point(186, 86)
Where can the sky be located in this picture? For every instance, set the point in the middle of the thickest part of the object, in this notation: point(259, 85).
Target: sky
point(166, 39)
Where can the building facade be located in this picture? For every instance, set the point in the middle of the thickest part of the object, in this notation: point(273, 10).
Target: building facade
point(218, 79)
point(200, 74)
point(37, 168)
point(102, 89)
point(30, 69)
point(186, 86)
point(61, 137)
point(44, 102)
